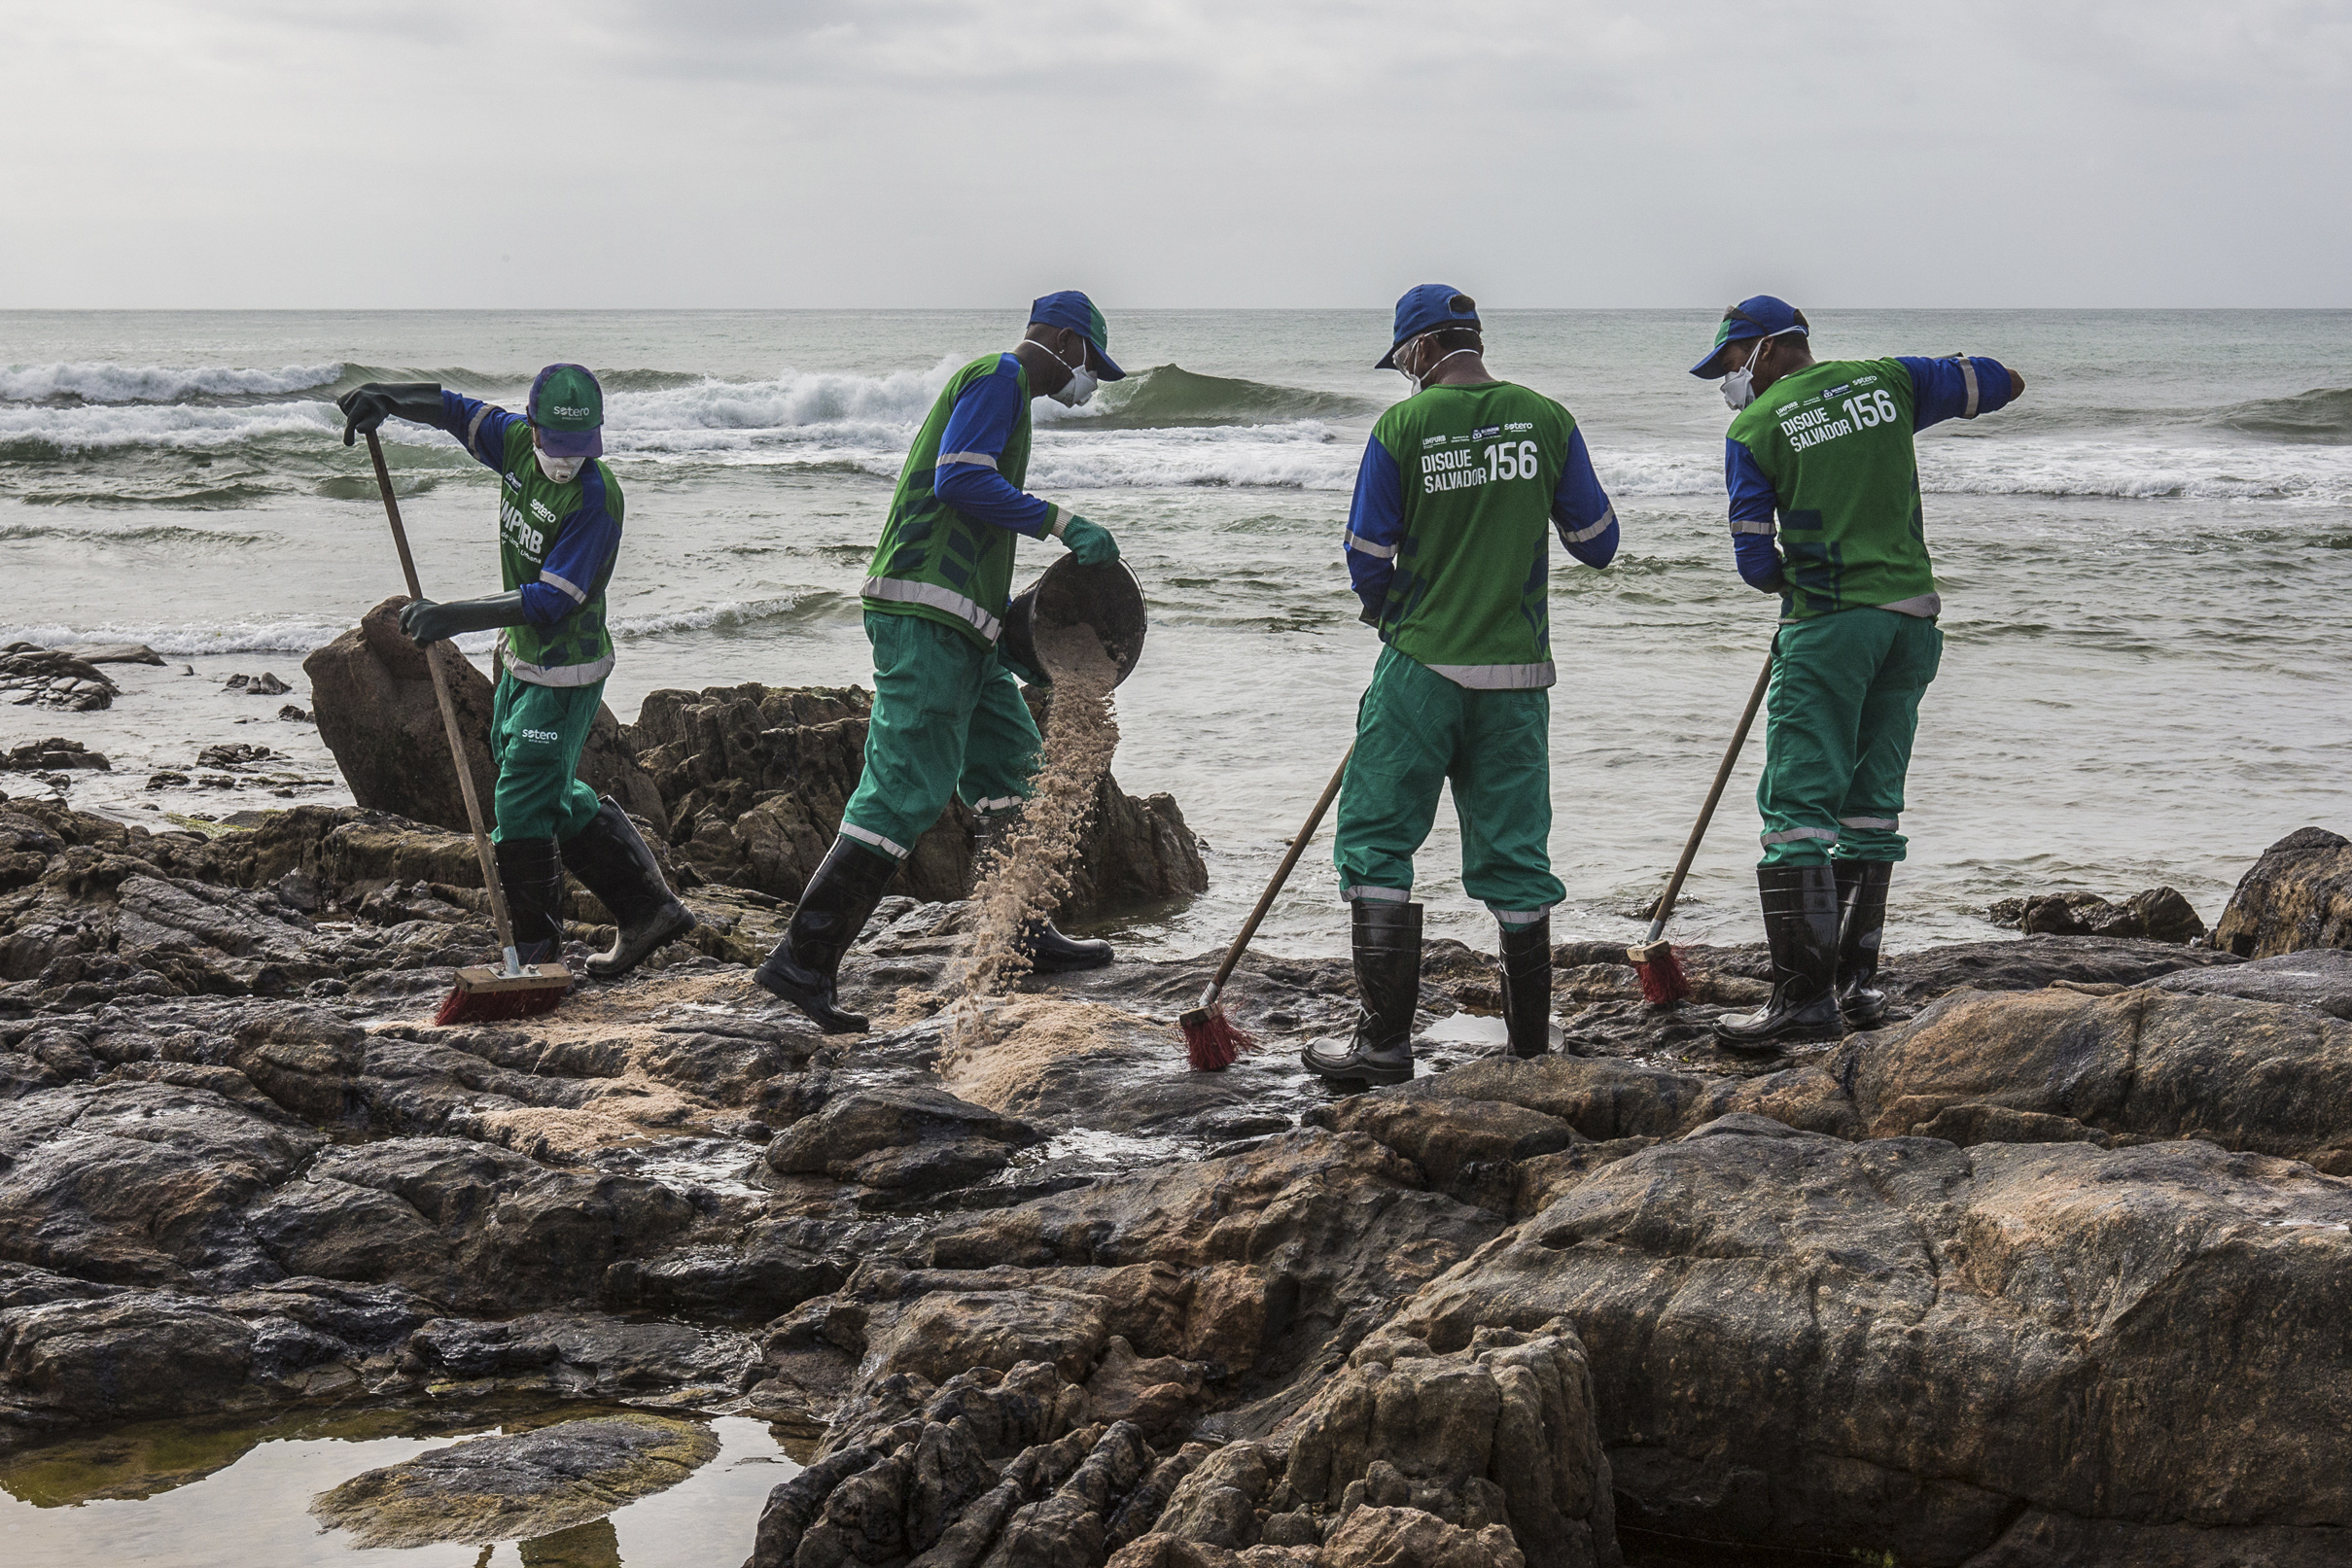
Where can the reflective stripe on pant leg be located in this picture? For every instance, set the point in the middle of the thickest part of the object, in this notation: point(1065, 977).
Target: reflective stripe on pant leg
point(925, 681)
point(1872, 810)
point(540, 732)
point(1405, 734)
point(1000, 744)
point(1822, 669)
point(1503, 796)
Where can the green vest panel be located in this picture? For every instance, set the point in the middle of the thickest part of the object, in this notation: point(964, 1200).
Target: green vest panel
point(1835, 440)
point(1479, 466)
point(532, 510)
point(932, 561)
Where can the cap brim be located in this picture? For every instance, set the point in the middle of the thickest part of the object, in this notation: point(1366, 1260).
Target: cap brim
point(1105, 367)
point(1701, 370)
point(572, 442)
point(1387, 361)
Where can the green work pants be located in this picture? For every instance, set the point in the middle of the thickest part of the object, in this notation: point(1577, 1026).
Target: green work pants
point(1415, 731)
point(1844, 707)
point(536, 736)
point(948, 720)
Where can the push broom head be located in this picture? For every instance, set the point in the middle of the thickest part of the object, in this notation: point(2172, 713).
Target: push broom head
point(487, 996)
point(1663, 982)
point(1212, 1042)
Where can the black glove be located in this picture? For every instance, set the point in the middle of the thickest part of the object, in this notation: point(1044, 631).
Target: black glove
point(365, 408)
point(423, 622)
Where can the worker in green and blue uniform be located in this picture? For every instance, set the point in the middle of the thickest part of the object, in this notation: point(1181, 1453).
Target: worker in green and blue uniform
point(560, 513)
point(948, 718)
point(1448, 548)
point(1823, 449)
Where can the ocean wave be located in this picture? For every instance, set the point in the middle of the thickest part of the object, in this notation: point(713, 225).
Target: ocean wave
point(184, 641)
point(1303, 456)
point(1169, 397)
point(2322, 415)
point(813, 604)
point(37, 434)
point(104, 382)
point(794, 399)
point(233, 497)
point(142, 534)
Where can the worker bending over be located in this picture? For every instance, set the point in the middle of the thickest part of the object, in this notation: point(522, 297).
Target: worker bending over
point(1447, 547)
point(1824, 447)
point(559, 534)
point(948, 718)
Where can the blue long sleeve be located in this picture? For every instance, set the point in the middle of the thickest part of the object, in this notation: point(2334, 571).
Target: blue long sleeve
point(1375, 522)
point(979, 428)
point(479, 427)
point(1581, 510)
point(1942, 389)
point(1753, 505)
point(581, 559)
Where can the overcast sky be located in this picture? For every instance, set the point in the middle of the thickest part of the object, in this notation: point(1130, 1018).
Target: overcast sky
point(1172, 152)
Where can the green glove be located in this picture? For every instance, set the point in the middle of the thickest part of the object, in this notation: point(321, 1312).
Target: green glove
point(1090, 542)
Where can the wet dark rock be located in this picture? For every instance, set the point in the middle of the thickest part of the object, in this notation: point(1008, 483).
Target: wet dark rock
point(2298, 895)
point(1894, 1337)
point(373, 696)
point(52, 678)
point(912, 1137)
point(237, 756)
point(586, 1355)
point(498, 1488)
point(36, 756)
point(2158, 914)
point(2030, 964)
point(265, 684)
point(2318, 978)
point(754, 779)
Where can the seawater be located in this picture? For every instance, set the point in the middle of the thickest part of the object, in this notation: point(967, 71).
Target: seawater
point(2143, 565)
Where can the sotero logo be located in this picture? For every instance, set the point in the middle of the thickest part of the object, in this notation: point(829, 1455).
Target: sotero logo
point(541, 736)
point(569, 413)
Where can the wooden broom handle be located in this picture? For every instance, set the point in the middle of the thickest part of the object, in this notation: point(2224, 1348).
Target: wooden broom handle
point(1706, 813)
point(434, 652)
point(1281, 875)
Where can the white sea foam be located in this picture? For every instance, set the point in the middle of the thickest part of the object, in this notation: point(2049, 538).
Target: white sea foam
point(794, 399)
point(187, 641)
point(97, 427)
point(99, 382)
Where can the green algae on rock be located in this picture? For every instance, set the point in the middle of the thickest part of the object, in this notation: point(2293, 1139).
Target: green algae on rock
point(517, 1486)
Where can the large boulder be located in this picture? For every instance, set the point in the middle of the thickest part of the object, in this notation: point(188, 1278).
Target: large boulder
point(2298, 895)
point(754, 779)
point(371, 693)
point(1906, 1346)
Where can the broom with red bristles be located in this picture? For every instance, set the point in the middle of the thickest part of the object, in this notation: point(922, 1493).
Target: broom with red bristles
point(516, 989)
point(1663, 982)
point(1211, 1040)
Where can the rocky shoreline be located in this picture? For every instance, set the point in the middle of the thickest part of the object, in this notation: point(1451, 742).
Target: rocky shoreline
point(2052, 1269)
point(2055, 1271)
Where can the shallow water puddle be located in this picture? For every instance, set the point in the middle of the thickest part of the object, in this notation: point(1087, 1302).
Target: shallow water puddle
point(238, 1496)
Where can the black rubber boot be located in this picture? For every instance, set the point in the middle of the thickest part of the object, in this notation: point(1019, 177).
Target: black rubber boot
point(1050, 952)
point(1861, 922)
point(1800, 923)
point(532, 872)
point(833, 909)
point(617, 864)
point(1387, 938)
point(1526, 987)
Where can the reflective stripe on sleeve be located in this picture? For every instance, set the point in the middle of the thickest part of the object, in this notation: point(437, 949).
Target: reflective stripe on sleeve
point(1968, 373)
point(983, 458)
point(1752, 525)
point(1365, 546)
point(1881, 823)
point(1497, 676)
point(898, 591)
point(1608, 520)
point(552, 581)
point(476, 428)
point(1830, 834)
point(1379, 896)
point(895, 851)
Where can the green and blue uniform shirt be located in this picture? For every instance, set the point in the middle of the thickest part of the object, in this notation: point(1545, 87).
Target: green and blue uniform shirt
point(1825, 456)
point(946, 553)
point(557, 543)
point(1446, 541)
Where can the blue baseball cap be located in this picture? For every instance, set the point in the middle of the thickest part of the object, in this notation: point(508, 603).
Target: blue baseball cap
point(1073, 310)
point(1424, 307)
point(568, 410)
point(1758, 316)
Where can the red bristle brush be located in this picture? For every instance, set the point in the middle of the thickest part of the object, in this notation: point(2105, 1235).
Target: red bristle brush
point(1211, 1040)
point(515, 990)
point(1663, 982)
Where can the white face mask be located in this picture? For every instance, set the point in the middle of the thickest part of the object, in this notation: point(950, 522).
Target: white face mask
point(1738, 388)
point(558, 469)
point(1422, 380)
point(1081, 387)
